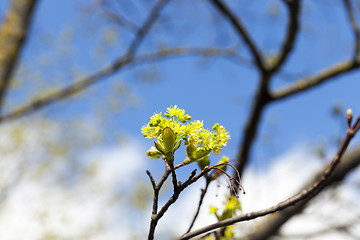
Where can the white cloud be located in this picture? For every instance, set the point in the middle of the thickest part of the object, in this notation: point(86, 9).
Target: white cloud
point(97, 205)
point(35, 208)
point(285, 176)
point(117, 163)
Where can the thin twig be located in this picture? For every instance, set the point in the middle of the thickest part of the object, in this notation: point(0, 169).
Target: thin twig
point(174, 179)
point(301, 196)
point(202, 195)
point(354, 26)
point(156, 216)
point(262, 99)
point(151, 179)
point(188, 51)
point(308, 83)
point(291, 33)
point(237, 24)
point(141, 33)
point(120, 20)
point(90, 80)
point(87, 82)
point(157, 188)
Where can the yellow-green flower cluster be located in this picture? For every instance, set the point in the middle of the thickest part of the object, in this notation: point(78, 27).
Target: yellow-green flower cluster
point(232, 206)
point(175, 119)
point(190, 132)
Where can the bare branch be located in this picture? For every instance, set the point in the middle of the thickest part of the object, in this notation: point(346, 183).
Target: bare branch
point(141, 33)
point(354, 26)
point(348, 163)
point(188, 51)
point(156, 188)
point(174, 178)
point(202, 196)
point(236, 22)
point(151, 179)
point(303, 196)
point(13, 34)
point(291, 33)
point(120, 20)
point(262, 98)
point(86, 82)
point(64, 92)
point(156, 216)
point(312, 81)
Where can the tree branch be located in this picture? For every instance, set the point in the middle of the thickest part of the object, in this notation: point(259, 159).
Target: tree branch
point(348, 163)
point(354, 26)
point(327, 74)
point(202, 195)
point(307, 83)
point(291, 33)
point(188, 51)
point(262, 98)
point(86, 82)
point(141, 33)
point(236, 23)
point(120, 20)
point(156, 216)
point(302, 197)
point(13, 34)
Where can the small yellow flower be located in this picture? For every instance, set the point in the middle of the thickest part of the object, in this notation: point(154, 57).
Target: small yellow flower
point(177, 122)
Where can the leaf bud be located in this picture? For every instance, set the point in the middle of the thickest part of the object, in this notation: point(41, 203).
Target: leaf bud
point(201, 153)
point(190, 151)
point(168, 137)
point(349, 114)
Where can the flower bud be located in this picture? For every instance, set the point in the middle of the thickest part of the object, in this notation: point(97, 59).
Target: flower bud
point(190, 151)
point(349, 114)
point(168, 137)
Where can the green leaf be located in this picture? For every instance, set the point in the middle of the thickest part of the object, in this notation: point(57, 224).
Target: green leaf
point(201, 153)
point(177, 145)
point(153, 153)
point(159, 147)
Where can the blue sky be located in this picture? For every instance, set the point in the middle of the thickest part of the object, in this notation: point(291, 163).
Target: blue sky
point(217, 90)
point(213, 90)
